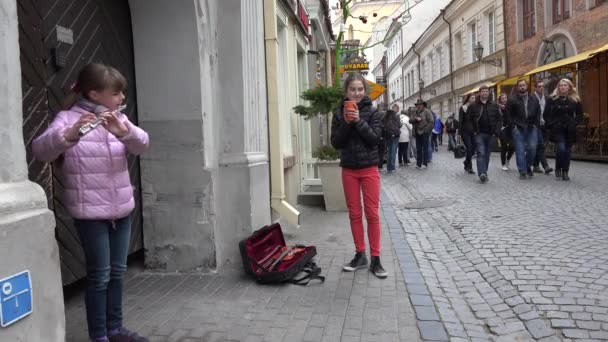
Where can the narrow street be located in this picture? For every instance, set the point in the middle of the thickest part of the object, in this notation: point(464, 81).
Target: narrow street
point(510, 260)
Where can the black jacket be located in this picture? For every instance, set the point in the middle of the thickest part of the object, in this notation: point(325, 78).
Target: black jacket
point(466, 122)
point(391, 122)
point(357, 141)
point(451, 127)
point(561, 117)
point(493, 112)
point(515, 113)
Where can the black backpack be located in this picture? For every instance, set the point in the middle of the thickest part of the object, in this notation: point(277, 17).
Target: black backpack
point(392, 126)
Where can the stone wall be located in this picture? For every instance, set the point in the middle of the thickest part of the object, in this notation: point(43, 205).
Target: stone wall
point(586, 27)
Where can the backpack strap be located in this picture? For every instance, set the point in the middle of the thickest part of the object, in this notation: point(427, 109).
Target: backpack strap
point(312, 272)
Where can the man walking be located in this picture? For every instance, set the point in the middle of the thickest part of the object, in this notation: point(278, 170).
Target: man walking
point(539, 93)
point(392, 130)
point(451, 125)
point(523, 114)
point(486, 123)
point(423, 122)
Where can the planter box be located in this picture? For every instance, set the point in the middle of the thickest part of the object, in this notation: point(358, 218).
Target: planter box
point(331, 179)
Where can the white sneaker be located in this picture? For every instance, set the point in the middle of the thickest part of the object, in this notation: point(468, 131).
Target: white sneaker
point(505, 168)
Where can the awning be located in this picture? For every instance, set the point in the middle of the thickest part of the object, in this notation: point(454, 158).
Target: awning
point(474, 90)
point(511, 80)
point(567, 61)
point(602, 49)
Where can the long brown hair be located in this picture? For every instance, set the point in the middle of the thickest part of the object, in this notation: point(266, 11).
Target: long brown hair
point(95, 76)
point(355, 76)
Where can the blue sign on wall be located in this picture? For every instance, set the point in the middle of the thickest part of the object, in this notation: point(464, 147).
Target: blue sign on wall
point(15, 298)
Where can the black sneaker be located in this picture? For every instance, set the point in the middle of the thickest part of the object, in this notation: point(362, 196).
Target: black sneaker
point(483, 178)
point(558, 174)
point(358, 262)
point(522, 175)
point(548, 171)
point(125, 335)
point(530, 172)
point(537, 170)
point(376, 268)
point(469, 171)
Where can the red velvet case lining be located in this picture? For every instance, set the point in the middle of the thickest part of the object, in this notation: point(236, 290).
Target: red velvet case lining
point(264, 244)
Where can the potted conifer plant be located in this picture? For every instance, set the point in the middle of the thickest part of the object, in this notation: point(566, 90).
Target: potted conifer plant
point(324, 101)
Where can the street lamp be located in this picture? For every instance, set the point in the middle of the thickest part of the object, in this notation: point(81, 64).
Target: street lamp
point(479, 54)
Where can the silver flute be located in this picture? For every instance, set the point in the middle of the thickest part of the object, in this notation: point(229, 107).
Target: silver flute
point(86, 128)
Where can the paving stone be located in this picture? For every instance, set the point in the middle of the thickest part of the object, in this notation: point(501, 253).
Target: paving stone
point(432, 331)
point(426, 313)
point(538, 328)
point(563, 323)
point(575, 333)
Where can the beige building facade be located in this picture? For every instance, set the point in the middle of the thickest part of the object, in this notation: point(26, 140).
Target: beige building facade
point(442, 65)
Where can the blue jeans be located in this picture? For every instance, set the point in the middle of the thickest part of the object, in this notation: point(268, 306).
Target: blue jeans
point(451, 141)
point(106, 246)
point(422, 149)
point(430, 148)
point(482, 143)
point(525, 141)
point(469, 142)
point(563, 155)
point(391, 144)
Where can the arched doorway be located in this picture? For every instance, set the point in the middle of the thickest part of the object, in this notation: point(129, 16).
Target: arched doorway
point(57, 38)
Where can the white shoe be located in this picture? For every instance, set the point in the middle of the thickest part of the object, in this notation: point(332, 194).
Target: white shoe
point(505, 168)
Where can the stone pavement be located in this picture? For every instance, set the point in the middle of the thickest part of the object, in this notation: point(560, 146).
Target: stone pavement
point(511, 260)
point(231, 307)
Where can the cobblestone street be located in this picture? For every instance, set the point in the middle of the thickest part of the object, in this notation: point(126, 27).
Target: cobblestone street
point(508, 260)
point(511, 260)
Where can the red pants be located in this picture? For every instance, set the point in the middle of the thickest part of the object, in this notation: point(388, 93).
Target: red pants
point(366, 181)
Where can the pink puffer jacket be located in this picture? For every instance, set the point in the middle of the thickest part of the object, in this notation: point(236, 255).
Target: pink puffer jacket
point(95, 173)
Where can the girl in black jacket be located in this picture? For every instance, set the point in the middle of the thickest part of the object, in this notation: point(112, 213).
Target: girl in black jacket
point(563, 112)
point(356, 133)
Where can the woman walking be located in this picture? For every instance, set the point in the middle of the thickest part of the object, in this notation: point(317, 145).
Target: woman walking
point(356, 131)
point(562, 113)
point(467, 132)
point(404, 140)
point(506, 144)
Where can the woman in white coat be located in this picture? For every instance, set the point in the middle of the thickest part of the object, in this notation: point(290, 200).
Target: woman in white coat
point(404, 140)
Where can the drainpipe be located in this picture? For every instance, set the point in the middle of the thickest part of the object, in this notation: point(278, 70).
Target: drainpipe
point(419, 71)
point(504, 36)
point(451, 60)
point(277, 177)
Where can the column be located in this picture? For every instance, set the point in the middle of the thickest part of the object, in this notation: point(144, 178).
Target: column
point(27, 227)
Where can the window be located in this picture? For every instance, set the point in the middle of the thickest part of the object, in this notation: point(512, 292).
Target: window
point(491, 32)
point(473, 40)
point(458, 50)
point(440, 64)
point(528, 15)
point(423, 72)
point(561, 10)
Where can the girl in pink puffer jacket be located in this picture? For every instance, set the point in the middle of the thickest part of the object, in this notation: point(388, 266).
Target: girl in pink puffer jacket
point(98, 191)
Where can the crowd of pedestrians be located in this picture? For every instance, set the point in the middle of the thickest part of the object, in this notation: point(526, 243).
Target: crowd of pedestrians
point(522, 125)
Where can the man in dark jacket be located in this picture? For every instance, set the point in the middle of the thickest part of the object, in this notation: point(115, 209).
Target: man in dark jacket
point(487, 122)
point(423, 122)
point(392, 130)
point(523, 114)
point(451, 125)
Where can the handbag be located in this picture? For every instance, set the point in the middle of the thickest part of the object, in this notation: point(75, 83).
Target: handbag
point(460, 150)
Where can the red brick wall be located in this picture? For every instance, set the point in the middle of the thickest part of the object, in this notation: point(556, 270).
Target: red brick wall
point(588, 29)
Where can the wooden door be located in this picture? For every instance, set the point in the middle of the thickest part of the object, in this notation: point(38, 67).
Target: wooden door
point(100, 32)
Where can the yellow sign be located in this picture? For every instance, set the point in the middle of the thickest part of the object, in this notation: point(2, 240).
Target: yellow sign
point(356, 66)
point(375, 90)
